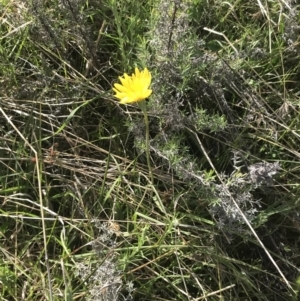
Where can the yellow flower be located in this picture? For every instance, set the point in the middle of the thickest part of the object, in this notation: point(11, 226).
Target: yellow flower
point(133, 88)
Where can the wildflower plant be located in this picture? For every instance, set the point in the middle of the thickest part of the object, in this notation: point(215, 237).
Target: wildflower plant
point(135, 89)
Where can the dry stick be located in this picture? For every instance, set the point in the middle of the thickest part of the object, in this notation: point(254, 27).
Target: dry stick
point(215, 292)
point(223, 35)
point(241, 212)
point(40, 197)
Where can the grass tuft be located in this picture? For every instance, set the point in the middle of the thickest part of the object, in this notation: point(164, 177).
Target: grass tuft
point(216, 217)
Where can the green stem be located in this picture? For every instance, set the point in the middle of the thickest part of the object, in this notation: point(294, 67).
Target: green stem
point(143, 106)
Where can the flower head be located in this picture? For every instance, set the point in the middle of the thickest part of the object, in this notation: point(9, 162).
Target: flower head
point(133, 88)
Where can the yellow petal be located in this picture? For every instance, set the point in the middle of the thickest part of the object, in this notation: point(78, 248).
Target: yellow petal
point(133, 88)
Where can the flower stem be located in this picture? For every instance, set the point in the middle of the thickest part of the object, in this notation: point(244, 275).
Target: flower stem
point(143, 106)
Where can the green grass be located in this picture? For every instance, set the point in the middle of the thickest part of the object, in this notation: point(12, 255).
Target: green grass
point(80, 217)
